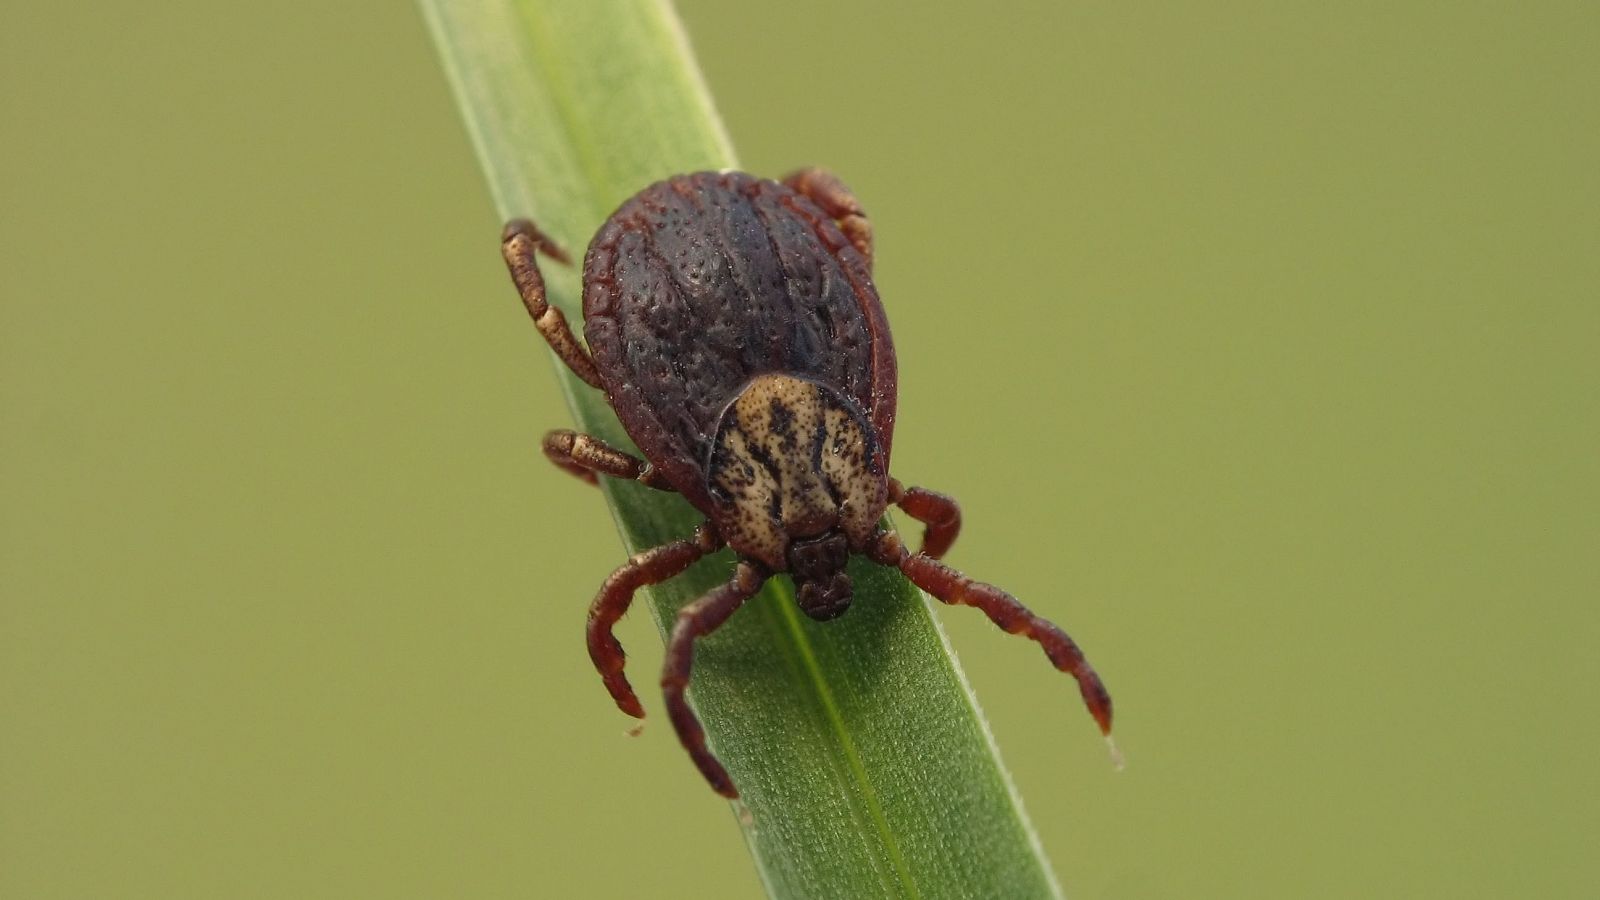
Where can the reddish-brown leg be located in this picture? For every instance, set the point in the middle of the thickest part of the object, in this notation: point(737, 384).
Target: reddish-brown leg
point(950, 586)
point(697, 620)
point(585, 456)
point(518, 244)
point(939, 512)
point(829, 193)
point(616, 595)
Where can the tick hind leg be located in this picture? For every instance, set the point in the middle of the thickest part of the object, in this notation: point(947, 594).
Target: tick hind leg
point(519, 243)
point(949, 586)
point(616, 595)
point(695, 621)
point(587, 457)
point(826, 190)
point(939, 512)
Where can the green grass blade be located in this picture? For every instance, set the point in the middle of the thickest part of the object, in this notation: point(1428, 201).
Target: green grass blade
point(863, 758)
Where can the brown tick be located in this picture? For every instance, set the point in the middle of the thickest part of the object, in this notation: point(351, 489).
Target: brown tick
point(733, 325)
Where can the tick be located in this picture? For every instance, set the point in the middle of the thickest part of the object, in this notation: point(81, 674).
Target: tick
point(733, 325)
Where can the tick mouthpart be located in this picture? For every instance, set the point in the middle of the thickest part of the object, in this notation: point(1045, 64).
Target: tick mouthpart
point(825, 599)
point(822, 589)
point(818, 558)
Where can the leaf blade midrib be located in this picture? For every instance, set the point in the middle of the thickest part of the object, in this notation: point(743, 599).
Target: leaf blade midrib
point(855, 771)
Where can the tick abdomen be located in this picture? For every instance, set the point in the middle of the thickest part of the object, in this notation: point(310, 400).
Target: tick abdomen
point(703, 282)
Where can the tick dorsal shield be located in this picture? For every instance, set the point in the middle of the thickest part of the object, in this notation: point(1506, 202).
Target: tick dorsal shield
point(792, 458)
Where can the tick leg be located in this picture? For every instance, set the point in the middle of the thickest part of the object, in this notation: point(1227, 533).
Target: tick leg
point(826, 190)
point(939, 512)
point(616, 595)
point(586, 456)
point(697, 620)
point(952, 587)
point(518, 244)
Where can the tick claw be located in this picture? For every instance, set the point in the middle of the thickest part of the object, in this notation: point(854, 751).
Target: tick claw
point(622, 692)
point(1117, 762)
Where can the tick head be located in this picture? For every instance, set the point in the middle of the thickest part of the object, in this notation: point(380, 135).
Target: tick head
point(822, 589)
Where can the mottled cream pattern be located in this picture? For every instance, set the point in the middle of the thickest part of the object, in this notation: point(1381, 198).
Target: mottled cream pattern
point(792, 459)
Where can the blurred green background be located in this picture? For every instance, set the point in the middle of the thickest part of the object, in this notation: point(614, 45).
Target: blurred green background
point(1258, 341)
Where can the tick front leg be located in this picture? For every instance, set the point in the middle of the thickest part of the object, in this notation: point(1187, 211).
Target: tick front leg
point(826, 190)
point(695, 621)
point(616, 595)
point(585, 456)
point(939, 512)
point(518, 244)
point(952, 587)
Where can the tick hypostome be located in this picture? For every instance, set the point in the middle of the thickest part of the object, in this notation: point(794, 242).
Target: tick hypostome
point(733, 325)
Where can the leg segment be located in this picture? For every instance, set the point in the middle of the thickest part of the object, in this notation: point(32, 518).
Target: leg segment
point(697, 620)
point(616, 595)
point(826, 190)
point(937, 511)
point(950, 586)
point(518, 244)
point(584, 456)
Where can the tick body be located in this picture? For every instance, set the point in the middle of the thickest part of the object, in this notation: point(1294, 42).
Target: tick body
point(733, 324)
